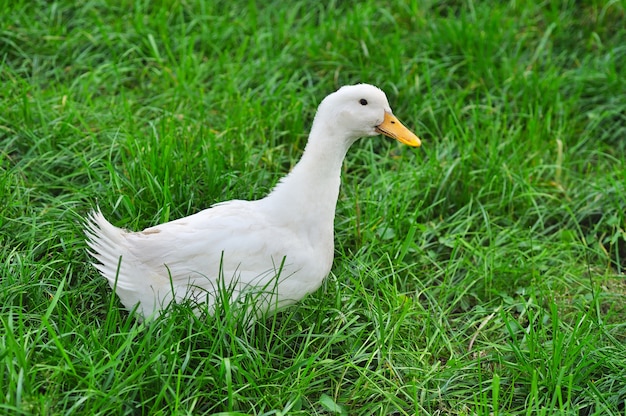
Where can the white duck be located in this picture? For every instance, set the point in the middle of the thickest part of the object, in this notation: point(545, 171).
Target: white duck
point(280, 245)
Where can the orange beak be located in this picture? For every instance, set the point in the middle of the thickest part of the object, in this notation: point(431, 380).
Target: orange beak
point(391, 127)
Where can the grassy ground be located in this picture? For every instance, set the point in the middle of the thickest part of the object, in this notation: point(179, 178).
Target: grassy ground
point(483, 273)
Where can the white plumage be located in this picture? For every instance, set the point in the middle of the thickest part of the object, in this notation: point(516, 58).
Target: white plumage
point(280, 245)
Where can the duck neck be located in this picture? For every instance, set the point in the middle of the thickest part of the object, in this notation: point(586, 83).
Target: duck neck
point(312, 187)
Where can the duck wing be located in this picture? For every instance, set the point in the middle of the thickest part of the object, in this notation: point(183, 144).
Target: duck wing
point(186, 258)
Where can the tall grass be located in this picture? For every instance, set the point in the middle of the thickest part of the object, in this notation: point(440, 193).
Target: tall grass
point(480, 274)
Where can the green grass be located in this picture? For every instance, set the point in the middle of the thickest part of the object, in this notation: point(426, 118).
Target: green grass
point(484, 273)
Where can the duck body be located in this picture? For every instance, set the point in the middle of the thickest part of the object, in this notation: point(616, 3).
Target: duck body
point(279, 247)
point(239, 243)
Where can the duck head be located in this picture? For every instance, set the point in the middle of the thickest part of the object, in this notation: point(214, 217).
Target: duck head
point(362, 110)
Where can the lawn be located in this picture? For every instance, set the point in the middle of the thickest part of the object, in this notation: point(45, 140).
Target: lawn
point(483, 273)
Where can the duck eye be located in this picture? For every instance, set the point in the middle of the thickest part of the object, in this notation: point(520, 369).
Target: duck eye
point(363, 101)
